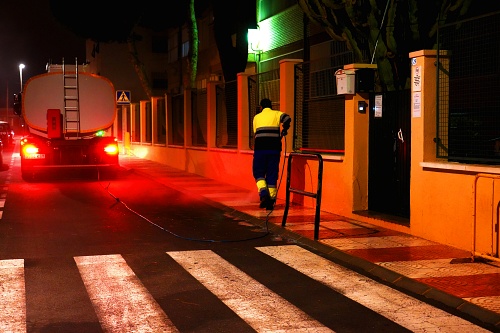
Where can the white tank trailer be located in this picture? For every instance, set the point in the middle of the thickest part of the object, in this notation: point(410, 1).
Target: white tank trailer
point(68, 113)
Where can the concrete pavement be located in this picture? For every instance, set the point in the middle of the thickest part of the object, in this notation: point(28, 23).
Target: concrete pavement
point(432, 270)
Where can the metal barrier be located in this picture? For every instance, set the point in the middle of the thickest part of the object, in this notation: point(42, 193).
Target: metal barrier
point(316, 195)
point(494, 224)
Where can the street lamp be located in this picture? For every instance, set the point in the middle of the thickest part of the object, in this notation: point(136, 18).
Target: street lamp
point(21, 66)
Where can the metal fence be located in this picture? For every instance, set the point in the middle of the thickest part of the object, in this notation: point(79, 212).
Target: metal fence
point(319, 119)
point(161, 113)
point(227, 115)
point(136, 127)
point(468, 102)
point(149, 121)
point(263, 85)
point(199, 117)
point(176, 123)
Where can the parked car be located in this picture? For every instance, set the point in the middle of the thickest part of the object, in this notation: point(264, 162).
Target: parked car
point(6, 133)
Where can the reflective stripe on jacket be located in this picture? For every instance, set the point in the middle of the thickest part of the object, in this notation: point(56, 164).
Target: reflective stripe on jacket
point(266, 127)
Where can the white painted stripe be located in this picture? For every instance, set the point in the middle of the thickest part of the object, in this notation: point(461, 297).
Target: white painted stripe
point(12, 296)
point(404, 310)
point(2, 203)
point(261, 308)
point(121, 302)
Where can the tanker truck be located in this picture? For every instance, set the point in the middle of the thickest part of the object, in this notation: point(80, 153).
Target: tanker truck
point(68, 115)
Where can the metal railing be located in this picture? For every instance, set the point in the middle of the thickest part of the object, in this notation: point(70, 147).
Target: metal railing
point(316, 195)
point(493, 255)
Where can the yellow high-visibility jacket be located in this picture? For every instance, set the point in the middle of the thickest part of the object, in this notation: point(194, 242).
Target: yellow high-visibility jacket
point(266, 127)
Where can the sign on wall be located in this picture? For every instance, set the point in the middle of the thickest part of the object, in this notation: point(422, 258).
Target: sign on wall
point(123, 97)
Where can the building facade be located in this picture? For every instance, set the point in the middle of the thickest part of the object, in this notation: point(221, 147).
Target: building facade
point(207, 130)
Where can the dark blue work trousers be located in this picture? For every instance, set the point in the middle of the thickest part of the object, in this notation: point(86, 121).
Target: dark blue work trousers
point(266, 165)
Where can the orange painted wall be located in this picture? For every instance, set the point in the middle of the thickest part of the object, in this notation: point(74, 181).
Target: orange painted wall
point(443, 194)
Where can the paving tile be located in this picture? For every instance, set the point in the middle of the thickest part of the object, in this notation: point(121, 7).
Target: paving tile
point(407, 253)
point(491, 303)
point(478, 285)
point(438, 268)
point(441, 269)
point(382, 242)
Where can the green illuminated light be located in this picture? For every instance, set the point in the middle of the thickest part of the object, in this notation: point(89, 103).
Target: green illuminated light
point(254, 36)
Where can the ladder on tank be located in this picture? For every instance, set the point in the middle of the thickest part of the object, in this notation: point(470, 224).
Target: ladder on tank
point(71, 102)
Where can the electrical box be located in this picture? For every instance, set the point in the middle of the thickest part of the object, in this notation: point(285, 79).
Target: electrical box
point(346, 81)
point(360, 80)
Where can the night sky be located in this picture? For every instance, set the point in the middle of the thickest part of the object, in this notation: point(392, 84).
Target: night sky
point(29, 34)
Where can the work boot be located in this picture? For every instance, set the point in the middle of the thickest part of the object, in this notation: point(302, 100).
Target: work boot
point(264, 197)
point(270, 204)
point(264, 201)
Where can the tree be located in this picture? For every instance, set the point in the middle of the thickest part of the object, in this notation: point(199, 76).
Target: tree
point(388, 30)
point(117, 23)
point(193, 41)
point(232, 19)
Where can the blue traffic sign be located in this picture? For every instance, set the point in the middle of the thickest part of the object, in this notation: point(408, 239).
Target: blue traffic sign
point(123, 97)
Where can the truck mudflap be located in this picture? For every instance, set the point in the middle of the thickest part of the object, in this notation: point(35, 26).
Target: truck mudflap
point(40, 155)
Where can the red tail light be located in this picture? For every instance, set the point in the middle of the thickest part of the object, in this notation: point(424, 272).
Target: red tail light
point(30, 149)
point(111, 149)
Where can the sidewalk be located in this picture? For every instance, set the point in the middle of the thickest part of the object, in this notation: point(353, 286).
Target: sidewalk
point(430, 269)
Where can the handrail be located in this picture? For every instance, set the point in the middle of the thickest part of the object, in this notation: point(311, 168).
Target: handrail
point(496, 228)
point(316, 195)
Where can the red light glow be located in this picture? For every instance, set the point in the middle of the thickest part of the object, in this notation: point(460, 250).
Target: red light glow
point(111, 149)
point(30, 149)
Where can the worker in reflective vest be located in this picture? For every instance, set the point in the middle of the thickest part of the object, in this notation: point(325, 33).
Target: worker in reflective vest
point(267, 150)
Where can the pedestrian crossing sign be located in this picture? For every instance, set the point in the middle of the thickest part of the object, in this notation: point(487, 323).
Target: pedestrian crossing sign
point(123, 97)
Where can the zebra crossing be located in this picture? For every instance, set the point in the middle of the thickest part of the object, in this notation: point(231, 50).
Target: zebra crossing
point(123, 304)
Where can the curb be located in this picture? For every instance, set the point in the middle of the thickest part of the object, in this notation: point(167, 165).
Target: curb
point(362, 266)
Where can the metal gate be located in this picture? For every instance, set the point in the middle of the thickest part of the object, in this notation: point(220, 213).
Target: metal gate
point(389, 153)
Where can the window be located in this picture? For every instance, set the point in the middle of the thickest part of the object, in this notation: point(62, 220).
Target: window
point(159, 81)
point(185, 49)
point(159, 44)
point(173, 49)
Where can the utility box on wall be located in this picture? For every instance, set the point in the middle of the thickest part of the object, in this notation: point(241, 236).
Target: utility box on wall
point(358, 80)
point(345, 81)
